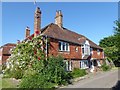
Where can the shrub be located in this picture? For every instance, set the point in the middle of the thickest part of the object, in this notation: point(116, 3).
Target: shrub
point(50, 74)
point(105, 67)
point(78, 72)
point(56, 71)
point(16, 73)
point(33, 79)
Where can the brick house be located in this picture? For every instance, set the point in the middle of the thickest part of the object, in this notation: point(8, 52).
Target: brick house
point(5, 52)
point(78, 51)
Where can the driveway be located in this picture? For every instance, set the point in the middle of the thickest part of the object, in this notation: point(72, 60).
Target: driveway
point(99, 80)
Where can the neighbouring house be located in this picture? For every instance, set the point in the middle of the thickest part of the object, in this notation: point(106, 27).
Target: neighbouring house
point(78, 51)
point(5, 52)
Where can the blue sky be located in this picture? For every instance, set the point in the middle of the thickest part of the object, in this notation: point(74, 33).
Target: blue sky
point(93, 20)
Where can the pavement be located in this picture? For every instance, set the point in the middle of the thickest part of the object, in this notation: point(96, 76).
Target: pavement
point(96, 80)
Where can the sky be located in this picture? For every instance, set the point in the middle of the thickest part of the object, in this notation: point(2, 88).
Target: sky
point(95, 20)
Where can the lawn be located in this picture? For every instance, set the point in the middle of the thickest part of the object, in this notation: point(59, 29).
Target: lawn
point(7, 83)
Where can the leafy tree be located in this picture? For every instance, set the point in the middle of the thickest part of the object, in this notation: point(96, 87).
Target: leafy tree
point(117, 35)
point(111, 45)
point(110, 50)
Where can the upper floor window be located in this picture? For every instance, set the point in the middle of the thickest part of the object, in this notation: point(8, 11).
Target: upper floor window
point(76, 49)
point(98, 51)
point(83, 50)
point(91, 50)
point(63, 46)
point(86, 48)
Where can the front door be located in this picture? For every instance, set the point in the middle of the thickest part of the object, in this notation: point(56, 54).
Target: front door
point(93, 65)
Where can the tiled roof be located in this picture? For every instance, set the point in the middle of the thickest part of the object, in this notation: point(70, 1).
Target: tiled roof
point(8, 44)
point(54, 31)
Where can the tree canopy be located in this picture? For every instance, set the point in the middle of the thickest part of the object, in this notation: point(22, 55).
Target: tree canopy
point(111, 44)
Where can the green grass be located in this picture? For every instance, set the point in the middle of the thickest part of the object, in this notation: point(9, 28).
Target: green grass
point(78, 73)
point(7, 83)
point(114, 68)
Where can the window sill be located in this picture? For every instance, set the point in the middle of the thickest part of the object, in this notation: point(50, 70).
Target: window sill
point(84, 68)
point(64, 51)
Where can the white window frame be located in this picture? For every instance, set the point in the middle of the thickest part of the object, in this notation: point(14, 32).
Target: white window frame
point(91, 50)
point(66, 48)
point(83, 64)
point(68, 65)
point(86, 47)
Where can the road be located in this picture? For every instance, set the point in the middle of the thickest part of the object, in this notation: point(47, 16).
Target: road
point(101, 80)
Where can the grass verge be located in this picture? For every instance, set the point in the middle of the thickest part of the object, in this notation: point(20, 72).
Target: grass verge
point(8, 83)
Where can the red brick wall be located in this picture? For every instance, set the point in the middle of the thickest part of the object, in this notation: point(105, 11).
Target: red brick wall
point(5, 53)
point(1, 56)
point(72, 54)
point(96, 55)
point(4, 59)
point(75, 64)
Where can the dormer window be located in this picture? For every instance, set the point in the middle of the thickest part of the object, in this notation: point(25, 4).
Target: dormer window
point(63, 46)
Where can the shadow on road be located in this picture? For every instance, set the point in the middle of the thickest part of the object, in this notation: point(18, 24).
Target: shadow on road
point(117, 86)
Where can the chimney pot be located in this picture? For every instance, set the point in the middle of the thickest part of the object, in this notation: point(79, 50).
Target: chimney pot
point(58, 18)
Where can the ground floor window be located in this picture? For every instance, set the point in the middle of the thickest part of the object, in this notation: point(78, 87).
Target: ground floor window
point(68, 65)
point(84, 64)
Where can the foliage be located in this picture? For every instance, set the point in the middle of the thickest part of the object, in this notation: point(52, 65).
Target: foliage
point(78, 72)
point(105, 67)
point(111, 44)
point(108, 41)
point(56, 70)
point(28, 63)
point(117, 32)
point(53, 74)
point(33, 79)
point(117, 35)
point(0, 69)
point(26, 54)
point(8, 83)
point(3, 67)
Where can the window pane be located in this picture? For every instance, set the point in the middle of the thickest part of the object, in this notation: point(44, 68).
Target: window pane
point(83, 50)
point(66, 46)
point(63, 46)
point(59, 45)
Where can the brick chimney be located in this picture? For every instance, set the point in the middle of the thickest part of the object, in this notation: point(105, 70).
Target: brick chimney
point(27, 32)
point(58, 18)
point(37, 22)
